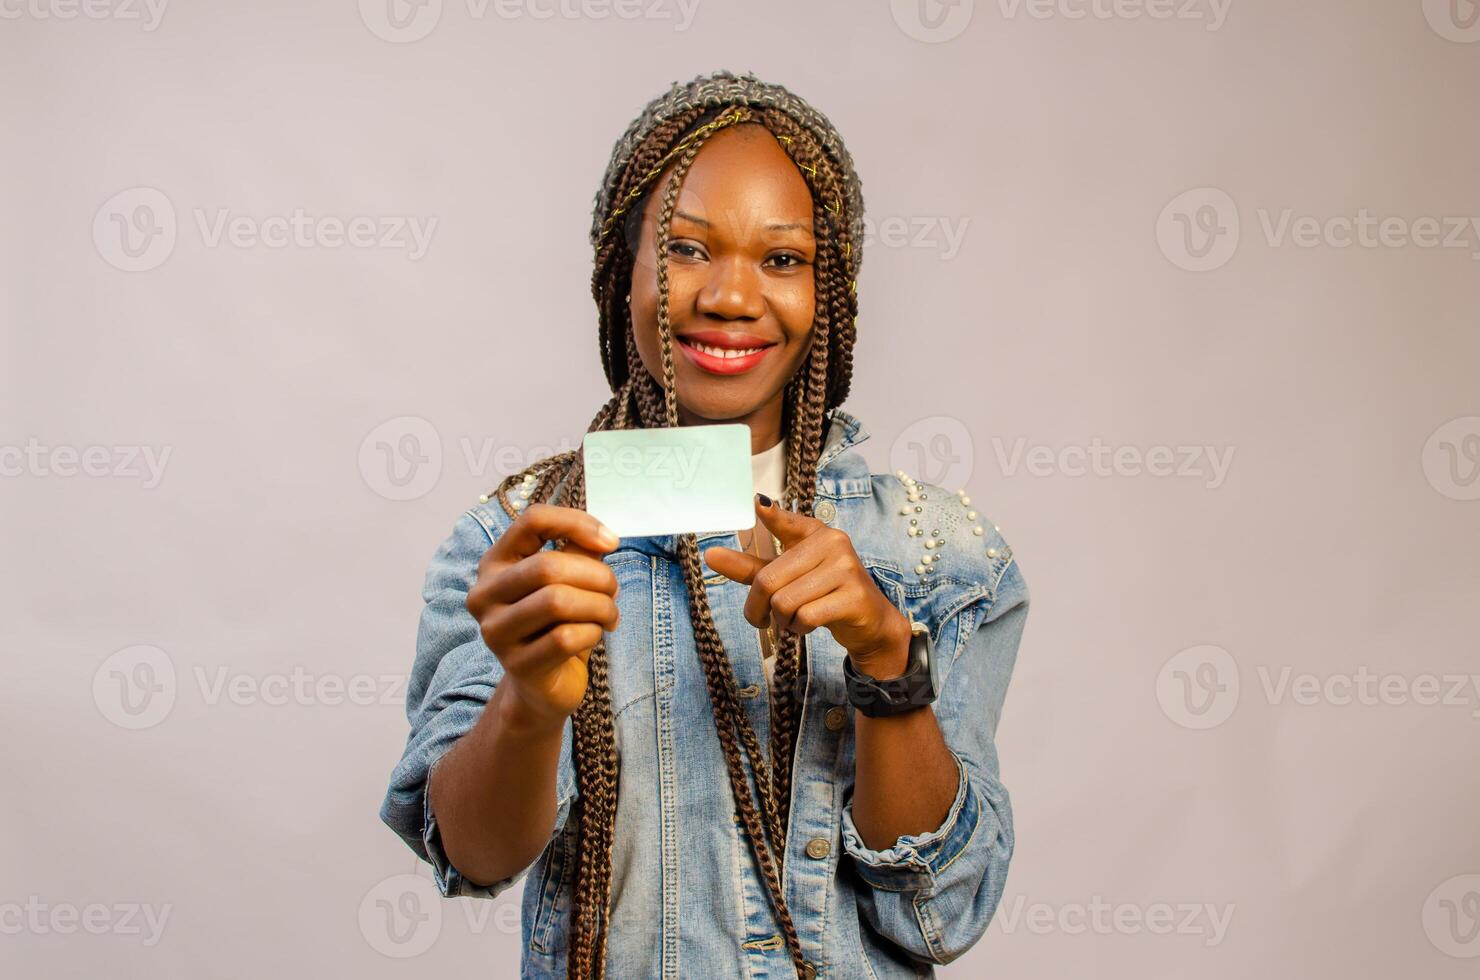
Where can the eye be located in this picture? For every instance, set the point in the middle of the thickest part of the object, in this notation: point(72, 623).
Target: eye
point(789, 260)
point(687, 250)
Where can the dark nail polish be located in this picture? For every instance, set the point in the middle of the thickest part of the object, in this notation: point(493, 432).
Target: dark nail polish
point(765, 501)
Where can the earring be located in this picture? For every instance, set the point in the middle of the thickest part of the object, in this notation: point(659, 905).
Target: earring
point(629, 297)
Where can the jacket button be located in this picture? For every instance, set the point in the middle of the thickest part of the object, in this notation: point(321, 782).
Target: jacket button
point(819, 848)
point(836, 719)
point(824, 511)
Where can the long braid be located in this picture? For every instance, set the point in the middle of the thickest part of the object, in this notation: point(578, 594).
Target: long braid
point(671, 130)
point(763, 825)
point(595, 737)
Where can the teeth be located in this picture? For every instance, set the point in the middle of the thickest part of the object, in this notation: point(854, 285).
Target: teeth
point(721, 351)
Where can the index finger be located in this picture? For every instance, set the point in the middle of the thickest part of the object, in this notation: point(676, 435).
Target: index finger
point(789, 526)
point(542, 522)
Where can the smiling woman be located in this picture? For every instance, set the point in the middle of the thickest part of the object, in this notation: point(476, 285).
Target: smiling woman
point(739, 277)
point(823, 802)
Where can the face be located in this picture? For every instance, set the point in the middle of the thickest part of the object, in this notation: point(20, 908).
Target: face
point(740, 278)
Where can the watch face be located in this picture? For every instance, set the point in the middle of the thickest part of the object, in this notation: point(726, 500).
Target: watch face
point(921, 640)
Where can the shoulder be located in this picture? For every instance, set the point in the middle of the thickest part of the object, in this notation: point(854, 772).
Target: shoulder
point(454, 565)
point(937, 548)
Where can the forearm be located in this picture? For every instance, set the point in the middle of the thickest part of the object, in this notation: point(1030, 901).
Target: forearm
point(904, 776)
point(494, 792)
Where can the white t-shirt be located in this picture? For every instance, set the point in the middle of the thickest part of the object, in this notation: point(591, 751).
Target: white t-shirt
point(769, 470)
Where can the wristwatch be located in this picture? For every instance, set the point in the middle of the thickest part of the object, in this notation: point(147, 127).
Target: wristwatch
point(915, 688)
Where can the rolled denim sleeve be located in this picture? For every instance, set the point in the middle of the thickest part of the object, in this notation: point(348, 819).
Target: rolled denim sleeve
point(934, 894)
point(453, 676)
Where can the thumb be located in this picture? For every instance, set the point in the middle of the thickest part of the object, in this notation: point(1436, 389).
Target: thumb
point(734, 565)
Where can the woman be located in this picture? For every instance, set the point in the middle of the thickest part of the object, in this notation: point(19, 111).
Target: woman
point(589, 711)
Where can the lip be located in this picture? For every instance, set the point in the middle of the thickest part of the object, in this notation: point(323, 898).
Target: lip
point(729, 341)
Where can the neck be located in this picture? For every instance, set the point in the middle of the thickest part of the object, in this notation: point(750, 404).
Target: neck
point(764, 422)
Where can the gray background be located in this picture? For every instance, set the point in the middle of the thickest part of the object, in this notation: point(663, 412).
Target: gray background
point(1087, 231)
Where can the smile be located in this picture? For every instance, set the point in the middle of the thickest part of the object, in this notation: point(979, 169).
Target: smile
point(720, 353)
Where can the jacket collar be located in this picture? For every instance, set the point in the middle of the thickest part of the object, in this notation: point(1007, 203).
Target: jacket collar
point(844, 431)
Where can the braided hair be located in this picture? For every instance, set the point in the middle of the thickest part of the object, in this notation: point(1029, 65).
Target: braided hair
point(671, 130)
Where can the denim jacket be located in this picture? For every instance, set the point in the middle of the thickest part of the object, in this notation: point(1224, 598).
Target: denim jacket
point(688, 897)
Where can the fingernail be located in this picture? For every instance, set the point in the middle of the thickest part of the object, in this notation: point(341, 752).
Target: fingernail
point(609, 537)
point(765, 501)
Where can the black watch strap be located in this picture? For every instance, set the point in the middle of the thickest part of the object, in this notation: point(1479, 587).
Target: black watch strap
point(915, 688)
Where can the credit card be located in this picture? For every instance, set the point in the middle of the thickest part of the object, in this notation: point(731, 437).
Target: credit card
point(692, 478)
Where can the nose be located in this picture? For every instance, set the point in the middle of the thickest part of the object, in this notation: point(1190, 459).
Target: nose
point(732, 292)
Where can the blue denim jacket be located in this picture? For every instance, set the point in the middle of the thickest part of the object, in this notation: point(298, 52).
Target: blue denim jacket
point(688, 897)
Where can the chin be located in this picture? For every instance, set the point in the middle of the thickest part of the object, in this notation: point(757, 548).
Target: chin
point(721, 409)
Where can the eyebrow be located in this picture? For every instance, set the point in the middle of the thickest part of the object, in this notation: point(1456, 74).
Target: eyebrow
point(793, 226)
